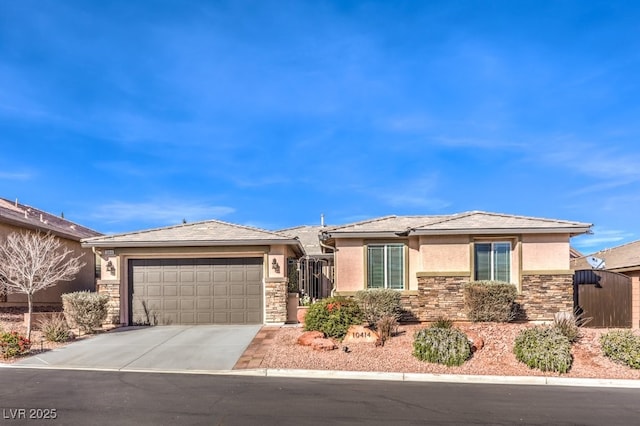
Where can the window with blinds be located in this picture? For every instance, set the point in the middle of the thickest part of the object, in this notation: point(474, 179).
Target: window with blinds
point(493, 261)
point(385, 266)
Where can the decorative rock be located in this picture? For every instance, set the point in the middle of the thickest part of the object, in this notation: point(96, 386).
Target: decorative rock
point(360, 334)
point(476, 341)
point(323, 344)
point(307, 338)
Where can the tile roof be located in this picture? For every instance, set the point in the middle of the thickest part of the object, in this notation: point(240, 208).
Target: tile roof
point(308, 236)
point(24, 216)
point(210, 232)
point(623, 257)
point(468, 222)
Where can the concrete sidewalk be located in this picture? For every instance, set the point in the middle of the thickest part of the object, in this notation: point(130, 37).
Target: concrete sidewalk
point(200, 348)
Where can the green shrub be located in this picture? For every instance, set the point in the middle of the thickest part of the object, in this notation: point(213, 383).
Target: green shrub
point(55, 328)
point(622, 346)
point(333, 316)
point(492, 301)
point(448, 346)
point(544, 348)
point(569, 323)
point(377, 303)
point(13, 344)
point(442, 322)
point(85, 310)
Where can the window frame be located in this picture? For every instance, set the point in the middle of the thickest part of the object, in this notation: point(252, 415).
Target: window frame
point(386, 268)
point(492, 272)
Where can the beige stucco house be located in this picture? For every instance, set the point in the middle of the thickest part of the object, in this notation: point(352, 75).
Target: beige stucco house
point(16, 217)
point(429, 258)
point(209, 272)
point(624, 259)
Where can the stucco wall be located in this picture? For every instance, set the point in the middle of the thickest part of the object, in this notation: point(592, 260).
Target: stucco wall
point(349, 265)
point(545, 252)
point(445, 253)
point(635, 298)
point(84, 280)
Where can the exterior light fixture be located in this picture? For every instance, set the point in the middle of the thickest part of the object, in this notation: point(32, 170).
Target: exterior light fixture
point(275, 266)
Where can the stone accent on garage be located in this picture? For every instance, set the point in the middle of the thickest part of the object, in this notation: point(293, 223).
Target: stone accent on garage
point(112, 289)
point(276, 290)
point(544, 294)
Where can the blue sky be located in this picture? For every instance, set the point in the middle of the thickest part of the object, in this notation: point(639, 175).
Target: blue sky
point(130, 115)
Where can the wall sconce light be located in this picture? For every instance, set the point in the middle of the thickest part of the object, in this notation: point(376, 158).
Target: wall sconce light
point(111, 268)
point(275, 266)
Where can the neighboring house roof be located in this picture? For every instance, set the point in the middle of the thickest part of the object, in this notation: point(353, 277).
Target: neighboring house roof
point(23, 216)
point(574, 253)
point(622, 258)
point(205, 233)
point(474, 222)
point(309, 237)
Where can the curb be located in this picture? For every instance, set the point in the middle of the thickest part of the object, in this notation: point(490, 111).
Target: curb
point(372, 375)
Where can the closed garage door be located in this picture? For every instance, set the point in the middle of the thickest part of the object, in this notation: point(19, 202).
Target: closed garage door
point(196, 291)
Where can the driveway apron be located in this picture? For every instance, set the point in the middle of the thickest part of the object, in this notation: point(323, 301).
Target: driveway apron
point(169, 348)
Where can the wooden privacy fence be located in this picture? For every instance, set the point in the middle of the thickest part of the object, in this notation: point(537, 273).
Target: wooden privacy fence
point(604, 296)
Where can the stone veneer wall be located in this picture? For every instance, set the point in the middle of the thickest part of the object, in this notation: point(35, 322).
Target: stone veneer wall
point(276, 290)
point(541, 296)
point(544, 295)
point(441, 296)
point(112, 289)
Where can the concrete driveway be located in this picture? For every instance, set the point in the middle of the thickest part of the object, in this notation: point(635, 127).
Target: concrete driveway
point(162, 348)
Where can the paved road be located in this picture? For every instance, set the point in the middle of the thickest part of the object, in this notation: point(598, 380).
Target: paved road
point(121, 398)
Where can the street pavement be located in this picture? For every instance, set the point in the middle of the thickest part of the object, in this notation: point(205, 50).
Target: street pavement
point(127, 398)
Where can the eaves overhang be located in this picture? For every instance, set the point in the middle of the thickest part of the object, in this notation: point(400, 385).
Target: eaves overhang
point(390, 234)
point(190, 243)
point(37, 227)
point(501, 231)
point(482, 231)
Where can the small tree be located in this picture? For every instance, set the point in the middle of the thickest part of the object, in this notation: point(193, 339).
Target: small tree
point(33, 261)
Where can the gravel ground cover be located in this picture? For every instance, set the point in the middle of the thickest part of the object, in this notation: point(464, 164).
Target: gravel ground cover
point(12, 319)
point(495, 358)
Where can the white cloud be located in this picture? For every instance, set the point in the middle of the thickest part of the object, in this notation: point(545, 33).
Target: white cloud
point(412, 193)
point(161, 212)
point(601, 238)
point(15, 176)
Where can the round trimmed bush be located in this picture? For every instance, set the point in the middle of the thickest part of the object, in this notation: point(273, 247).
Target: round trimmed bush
point(333, 316)
point(448, 346)
point(622, 346)
point(544, 348)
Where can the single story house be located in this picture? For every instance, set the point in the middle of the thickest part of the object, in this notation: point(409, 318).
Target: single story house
point(209, 272)
point(16, 217)
point(429, 258)
point(624, 259)
point(215, 272)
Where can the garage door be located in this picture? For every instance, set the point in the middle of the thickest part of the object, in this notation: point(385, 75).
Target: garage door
point(196, 291)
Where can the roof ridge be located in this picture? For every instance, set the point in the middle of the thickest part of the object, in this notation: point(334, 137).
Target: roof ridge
point(604, 250)
point(371, 220)
point(47, 217)
point(190, 224)
point(446, 218)
point(546, 219)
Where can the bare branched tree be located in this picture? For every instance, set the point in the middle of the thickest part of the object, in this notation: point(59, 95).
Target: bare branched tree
point(33, 261)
